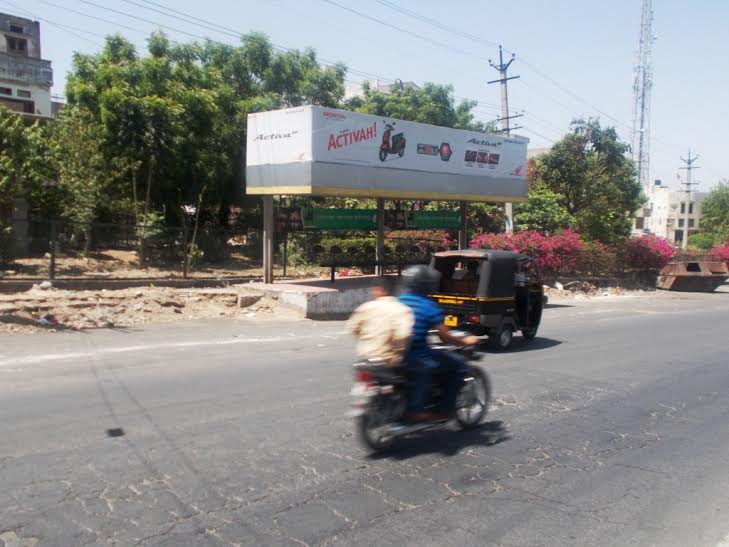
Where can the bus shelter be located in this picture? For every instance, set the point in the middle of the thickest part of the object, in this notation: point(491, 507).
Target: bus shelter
point(317, 151)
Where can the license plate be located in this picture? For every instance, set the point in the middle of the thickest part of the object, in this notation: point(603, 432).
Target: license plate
point(451, 321)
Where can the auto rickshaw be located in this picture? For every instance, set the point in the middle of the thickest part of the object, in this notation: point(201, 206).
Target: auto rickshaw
point(489, 292)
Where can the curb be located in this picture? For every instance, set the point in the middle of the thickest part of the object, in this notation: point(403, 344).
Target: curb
point(22, 285)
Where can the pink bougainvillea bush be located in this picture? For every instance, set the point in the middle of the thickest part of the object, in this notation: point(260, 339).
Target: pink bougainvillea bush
point(554, 253)
point(646, 253)
point(721, 254)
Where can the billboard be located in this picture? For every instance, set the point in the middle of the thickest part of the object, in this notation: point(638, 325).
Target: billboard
point(322, 151)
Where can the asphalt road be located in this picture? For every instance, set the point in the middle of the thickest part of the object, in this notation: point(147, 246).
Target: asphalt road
point(612, 428)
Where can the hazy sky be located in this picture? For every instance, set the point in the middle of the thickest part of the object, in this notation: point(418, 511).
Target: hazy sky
point(586, 47)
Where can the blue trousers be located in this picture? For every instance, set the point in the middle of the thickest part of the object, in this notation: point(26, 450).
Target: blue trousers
point(448, 365)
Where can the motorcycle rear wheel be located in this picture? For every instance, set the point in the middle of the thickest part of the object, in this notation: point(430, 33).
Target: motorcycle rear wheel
point(473, 400)
point(372, 429)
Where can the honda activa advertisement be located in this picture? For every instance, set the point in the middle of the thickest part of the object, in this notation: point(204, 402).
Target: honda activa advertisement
point(383, 156)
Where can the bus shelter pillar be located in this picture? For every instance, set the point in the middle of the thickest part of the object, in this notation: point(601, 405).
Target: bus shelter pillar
point(509, 216)
point(463, 230)
point(268, 229)
point(380, 244)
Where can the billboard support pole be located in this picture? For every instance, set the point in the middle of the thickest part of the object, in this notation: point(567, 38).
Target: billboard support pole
point(463, 230)
point(380, 245)
point(268, 228)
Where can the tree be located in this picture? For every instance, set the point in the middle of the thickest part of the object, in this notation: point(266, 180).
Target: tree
point(177, 117)
point(596, 181)
point(543, 213)
point(715, 214)
point(85, 181)
point(433, 104)
point(15, 150)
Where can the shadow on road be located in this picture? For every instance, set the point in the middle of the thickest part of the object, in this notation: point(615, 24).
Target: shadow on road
point(550, 306)
point(445, 442)
point(519, 346)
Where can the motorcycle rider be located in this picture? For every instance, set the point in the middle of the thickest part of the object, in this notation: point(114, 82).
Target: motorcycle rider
point(383, 326)
point(419, 282)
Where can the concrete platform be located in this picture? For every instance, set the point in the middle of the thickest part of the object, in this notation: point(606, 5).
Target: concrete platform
point(320, 298)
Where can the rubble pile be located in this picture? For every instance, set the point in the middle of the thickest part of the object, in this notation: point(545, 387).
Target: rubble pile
point(44, 307)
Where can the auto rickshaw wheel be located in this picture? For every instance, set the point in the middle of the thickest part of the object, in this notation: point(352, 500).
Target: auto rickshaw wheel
point(529, 334)
point(502, 340)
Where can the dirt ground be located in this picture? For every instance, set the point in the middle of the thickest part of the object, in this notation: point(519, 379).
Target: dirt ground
point(121, 264)
point(56, 310)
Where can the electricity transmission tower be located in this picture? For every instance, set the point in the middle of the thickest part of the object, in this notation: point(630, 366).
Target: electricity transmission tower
point(642, 89)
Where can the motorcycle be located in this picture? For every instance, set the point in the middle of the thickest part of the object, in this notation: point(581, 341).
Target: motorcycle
point(396, 145)
point(380, 400)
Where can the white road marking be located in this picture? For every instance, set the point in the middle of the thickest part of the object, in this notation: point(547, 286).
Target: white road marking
point(37, 359)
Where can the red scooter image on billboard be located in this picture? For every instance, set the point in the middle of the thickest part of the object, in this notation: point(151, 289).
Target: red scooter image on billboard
point(392, 144)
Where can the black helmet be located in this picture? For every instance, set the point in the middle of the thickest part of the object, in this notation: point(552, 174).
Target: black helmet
point(421, 280)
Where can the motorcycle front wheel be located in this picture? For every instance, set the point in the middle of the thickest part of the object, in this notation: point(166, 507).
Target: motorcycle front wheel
point(383, 154)
point(473, 399)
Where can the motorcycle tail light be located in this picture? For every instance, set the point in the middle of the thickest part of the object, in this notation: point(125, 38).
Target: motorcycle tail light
point(474, 319)
point(364, 376)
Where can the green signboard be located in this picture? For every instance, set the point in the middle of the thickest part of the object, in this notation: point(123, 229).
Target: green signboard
point(366, 219)
point(428, 220)
point(339, 219)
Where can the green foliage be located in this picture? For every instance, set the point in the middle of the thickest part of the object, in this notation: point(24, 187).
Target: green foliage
point(15, 151)
point(175, 119)
point(715, 214)
point(590, 170)
point(433, 104)
point(702, 241)
point(544, 212)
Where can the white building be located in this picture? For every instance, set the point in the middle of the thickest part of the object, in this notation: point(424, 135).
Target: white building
point(25, 78)
point(665, 213)
point(354, 89)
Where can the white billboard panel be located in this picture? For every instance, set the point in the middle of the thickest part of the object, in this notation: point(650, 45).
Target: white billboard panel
point(316, 150)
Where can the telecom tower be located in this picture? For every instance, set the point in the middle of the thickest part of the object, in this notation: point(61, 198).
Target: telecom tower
point(642, 88)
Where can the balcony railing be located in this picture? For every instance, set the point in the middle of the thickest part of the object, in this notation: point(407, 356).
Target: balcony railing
point(26, 70)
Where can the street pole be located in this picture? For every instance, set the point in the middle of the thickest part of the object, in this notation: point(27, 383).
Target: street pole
point(463, 230)
point(380, 243)
point(688, 184)
point(268, 228)
point(505, 118)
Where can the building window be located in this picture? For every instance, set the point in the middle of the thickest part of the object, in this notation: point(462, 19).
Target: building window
point(29, 107)
point(678, 236)
point(691, 223)
point(691, 208)
point(16, 28)
point(17, 45)
point(683, 207)
point(6, 91)
point(24, 93)
point(680, 223)
point(639, 223)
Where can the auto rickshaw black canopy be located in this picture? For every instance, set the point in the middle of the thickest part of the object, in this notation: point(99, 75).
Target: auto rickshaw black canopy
point(496, 275)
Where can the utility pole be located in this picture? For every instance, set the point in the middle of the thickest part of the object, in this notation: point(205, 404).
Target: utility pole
point(505, 118)
point(688, 184)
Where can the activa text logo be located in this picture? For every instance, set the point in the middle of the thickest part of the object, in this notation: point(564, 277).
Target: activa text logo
point(483, 142)
point(275, 136)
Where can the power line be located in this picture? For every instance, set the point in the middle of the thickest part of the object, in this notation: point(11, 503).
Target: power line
point(88, 15)
point(66, 28)
point(552, 141)
point(436, 23)
point(187, 18)
point(524, 61)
